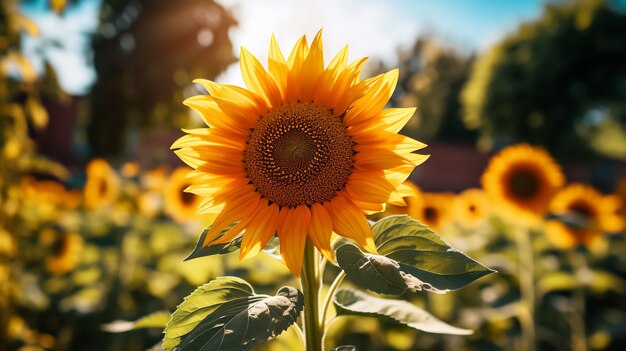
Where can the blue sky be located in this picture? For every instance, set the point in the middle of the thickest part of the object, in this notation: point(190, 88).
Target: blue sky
point(373, 28)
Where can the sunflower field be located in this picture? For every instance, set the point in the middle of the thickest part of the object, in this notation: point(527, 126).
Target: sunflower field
point(164, 189)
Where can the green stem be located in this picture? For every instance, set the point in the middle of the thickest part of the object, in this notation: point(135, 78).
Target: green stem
point(329, 298)
point(296, 330)
point(577, 319)
point(311, 287)
point(527, 289)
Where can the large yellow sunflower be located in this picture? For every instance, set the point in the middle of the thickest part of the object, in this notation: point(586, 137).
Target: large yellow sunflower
point(584, 214)
point(303, 150)
point(471, 208)
point(521, 180)
point(102, 186)
point(179, 204)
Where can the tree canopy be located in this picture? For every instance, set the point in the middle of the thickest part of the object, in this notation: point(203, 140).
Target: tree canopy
point(558, 81)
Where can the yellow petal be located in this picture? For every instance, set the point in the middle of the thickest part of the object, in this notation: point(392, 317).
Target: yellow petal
point(277, 66)
point(320, 230)
point(258, 80)
point(369, 187)
point(260, 230)
point(292, 233)
point(350, 222)
point(233, 211)
point(378, 94)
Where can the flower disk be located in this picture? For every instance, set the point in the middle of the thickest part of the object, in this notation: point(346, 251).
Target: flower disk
point(304, 151)
point(299, 154)
point(521, 180)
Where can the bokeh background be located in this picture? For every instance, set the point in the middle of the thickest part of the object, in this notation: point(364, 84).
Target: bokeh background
point(94, 224)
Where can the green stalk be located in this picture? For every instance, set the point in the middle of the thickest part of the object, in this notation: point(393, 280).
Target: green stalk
point(577, 318)
point(526, 261)
point(311, 288)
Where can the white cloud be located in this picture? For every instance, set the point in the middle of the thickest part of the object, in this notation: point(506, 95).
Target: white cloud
point(371, 28)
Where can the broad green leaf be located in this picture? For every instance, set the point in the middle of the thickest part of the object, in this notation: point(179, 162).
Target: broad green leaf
point(378, 273)
point(154, 320)
point(422, 254)
point(226, 314)
point(353, 302)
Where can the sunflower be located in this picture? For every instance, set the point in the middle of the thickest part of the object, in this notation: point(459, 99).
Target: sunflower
point(584, 214)
point(180, 204)
point(66, 249)
point(471, 208)
point(521, 180)
point(304, 150)
point(102, 185)
point(434, 210)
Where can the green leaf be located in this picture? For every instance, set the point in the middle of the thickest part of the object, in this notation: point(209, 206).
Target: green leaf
point(422, 254)
point(345, 348)
point(219, 249)
point(378, 273)
point(226, 314)
point(272, 247)
point(154, 320)
point(353, 302)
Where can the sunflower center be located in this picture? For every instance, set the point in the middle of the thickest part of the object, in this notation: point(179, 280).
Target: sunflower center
point(430, 213)
point(472, 208)
point(187, 199)
point(581, 209)
point(524, 184)
point(299, 154)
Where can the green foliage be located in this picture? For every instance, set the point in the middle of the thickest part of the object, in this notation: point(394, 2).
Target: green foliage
point(353, 302)
point(226, 314)
point(421, 253)
point(220, 249)
point(345, 348)
point(272, 247)
point(146, 54)
point(153, 320)
point(378, 273)
point(558, 81)
point(431, 77)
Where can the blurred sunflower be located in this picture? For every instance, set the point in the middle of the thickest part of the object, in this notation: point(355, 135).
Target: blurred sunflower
point(435, 210)
point(303, 151)
point(412, 196)
point(65, 248)
point(102, 186)
point(471, 208)
point(521, 180)
point(583, 215)
point(179, 204)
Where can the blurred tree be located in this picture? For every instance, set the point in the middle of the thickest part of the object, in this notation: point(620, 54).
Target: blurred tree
point(146, 52)
point(559, 81)
point(21, 113)
point(431, 78)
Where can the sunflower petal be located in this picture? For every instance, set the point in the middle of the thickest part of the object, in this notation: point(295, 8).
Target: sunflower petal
point(320, 230)
point(277, 66)
point(260, 230)
point(292, 233)
point(350, 222)
point(258, 80)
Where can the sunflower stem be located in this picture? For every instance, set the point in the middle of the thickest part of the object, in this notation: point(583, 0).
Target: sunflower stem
point(327, 301)
point(526, 261)
point(577, 319)
point(310, 280)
